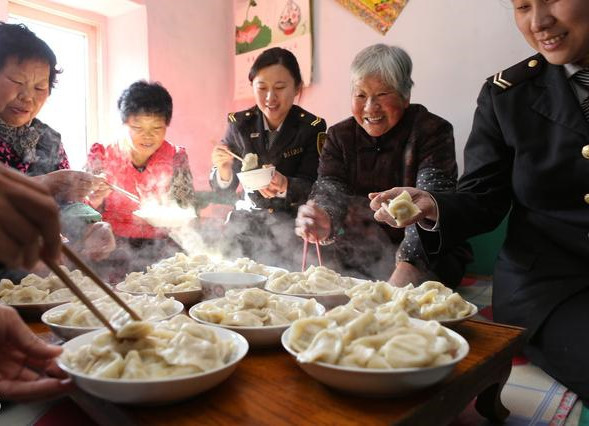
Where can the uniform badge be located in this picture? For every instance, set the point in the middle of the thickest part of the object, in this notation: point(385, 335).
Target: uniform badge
point(254, 135)
point(321, 138)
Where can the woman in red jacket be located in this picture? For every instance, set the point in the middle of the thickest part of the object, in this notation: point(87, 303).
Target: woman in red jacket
point(146, 165)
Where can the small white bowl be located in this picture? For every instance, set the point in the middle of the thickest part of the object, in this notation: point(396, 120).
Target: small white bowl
point(257, 178)
point(67, 332)
point(186, 297)
point(166, 217)
point(375, 382)
point(214, 284)
point(155, 391)
point(257, 336)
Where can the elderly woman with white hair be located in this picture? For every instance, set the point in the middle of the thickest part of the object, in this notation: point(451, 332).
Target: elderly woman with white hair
point(387, 142)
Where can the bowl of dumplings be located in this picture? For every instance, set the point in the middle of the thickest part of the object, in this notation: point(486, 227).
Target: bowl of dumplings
point(152, 363)
point(258, 315)
point(323, 284)
point(72, 319)
point(255, 179)
point(375, 355)
point(215, 284)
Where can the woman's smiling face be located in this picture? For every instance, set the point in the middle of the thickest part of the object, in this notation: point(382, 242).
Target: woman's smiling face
point(558, 29)
point(275, 91)
point(147, 134)
point(375, 106)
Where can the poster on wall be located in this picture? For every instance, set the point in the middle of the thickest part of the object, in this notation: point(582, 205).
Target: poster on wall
point(379, 14)
point(262, 24)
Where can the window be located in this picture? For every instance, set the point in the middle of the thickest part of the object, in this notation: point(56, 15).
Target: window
point(72, 108)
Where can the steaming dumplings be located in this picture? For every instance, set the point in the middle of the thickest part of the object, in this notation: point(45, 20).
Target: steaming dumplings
point(315, 280)
point(147, 307)
point(402, 208)
point(430, 301)
point(371, 340)
point(36, 289)
point(177, 347)
point(254, 308)
point(169, 215)
point(250, 162)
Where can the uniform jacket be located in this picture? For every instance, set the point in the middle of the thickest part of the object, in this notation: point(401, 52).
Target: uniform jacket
point(418, 151)
point(525, 152)
point(155, 180)
point(294, 152)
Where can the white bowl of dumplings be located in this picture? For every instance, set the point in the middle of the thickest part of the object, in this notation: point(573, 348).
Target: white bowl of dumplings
point(73, 319)
point(177, 360)
point(253, 180)
point(374, 355)
point(258, 315)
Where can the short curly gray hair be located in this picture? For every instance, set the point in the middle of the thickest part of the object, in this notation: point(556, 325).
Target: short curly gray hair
point(389, 63)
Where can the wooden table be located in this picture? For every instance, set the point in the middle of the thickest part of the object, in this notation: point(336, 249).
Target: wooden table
point(268, 388)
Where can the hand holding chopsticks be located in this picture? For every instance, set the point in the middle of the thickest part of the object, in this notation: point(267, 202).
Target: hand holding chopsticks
point(306, 250)
point(76, 290)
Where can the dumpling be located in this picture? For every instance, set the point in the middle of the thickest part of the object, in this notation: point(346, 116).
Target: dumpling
point(402, 208)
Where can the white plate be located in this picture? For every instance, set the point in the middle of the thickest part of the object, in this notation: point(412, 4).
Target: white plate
point(257, 336)
point(187, 297)
point(33, 311)
point(474, 311)
point(67, 332)
point(156, 391)
point(376, 382)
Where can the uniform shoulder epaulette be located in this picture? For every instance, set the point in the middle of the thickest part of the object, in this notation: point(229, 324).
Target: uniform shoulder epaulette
point(517, 73)
point(313, 120)
point(234, 117)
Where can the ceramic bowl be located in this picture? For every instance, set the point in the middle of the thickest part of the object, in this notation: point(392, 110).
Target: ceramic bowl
point(214, 284)
point(154, 391)
point(257, 178)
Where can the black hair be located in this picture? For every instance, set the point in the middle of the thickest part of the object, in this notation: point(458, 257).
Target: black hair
point(277, 56)
point(149, 98)
point(17, 41)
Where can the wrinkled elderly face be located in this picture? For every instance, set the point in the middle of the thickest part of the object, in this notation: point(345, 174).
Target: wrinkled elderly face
point(24, 88)
point(558, 29)
point(275, 91)
point(375, 106)
point(147, 134)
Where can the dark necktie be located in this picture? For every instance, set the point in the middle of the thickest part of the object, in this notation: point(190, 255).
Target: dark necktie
point(270, 138)
point(582, 77)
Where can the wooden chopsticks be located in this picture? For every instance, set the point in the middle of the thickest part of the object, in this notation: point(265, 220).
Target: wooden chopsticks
point(126, 193)
point(234, 155)
point(306, 250)
point(92, 275)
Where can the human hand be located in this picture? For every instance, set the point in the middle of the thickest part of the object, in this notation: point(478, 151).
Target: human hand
point(98, 241)
point(223, 161)
point(312, 223)
point(70, 185)
point(101, 190)
point(27, 364)
point(277, 185)
point(406, 273)
point(29, 221)
point(421, 198)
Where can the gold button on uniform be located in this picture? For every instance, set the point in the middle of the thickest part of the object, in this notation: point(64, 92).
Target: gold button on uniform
point(532, 63)
point(585, 152)
point(586, 198)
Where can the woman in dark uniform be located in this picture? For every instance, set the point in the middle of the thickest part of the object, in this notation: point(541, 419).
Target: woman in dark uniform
point(388, 141)
point(528, 154)
point(281, 134)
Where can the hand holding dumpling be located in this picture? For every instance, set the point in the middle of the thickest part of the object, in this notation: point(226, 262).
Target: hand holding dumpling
point(422, 200)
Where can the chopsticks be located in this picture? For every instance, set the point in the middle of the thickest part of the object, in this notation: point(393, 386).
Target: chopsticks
point(128, 194)
point(306, 250)
point(234, 155)
point(76, 290)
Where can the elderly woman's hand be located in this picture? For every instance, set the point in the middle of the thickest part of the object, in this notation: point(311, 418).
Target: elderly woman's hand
point(312, 223)
point(278, 184)
point(98, 241)
point(28, 212)
point(70, 185)
point(27, 366)
point(422, 199)
point(223, 161)
point(406, 273)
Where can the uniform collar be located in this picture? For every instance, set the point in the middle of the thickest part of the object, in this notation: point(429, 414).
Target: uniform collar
point(267, 127)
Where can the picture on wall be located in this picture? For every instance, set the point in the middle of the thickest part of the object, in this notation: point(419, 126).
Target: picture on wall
point(262, 24)
point(379, 14)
